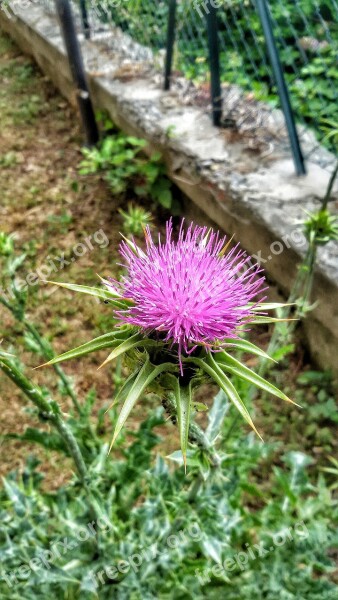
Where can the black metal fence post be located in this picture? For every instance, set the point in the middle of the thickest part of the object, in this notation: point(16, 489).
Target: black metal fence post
point(84, 18)
point(170, 43)
point(64, 12)
point(216, 90)
point(264, 15)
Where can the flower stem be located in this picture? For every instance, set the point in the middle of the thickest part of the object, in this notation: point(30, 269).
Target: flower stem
point(328, 193)
point(49, 409)
point(48, 353)
point(196, 434)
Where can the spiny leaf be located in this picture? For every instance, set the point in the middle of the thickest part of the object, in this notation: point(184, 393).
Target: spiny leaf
point(183, 406)
point(216, 416)
point(104, 341)
point(232, 393)
point(261, 319)
point(146, 375)
point(215, 372)
point(124, 389)
point(233, 366)
point(269, 305)
point(102, 293)
point(6, 355)
point(132, 342)
point(109, 290)
point(51, 441)
point(246, 346)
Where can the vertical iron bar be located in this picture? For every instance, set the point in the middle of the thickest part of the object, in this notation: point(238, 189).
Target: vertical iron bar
point(216, 91)
point(264, 15)
point(64, 12)
point(170, 43)
point(84, 18)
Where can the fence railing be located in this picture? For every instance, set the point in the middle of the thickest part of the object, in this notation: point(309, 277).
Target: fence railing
point(279, 53)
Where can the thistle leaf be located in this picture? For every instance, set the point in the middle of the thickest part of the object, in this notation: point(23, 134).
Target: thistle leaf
point(6, 354)
point(124, 389)
point(233, 366)
point(246, 346)
point(216, 416)
point(215, 372)
point(183, 406)
point(102, 293)
point(104, 341)
point(261, 319)
point(132, 342)
point(51, 441)
point(146, 375)
point(269, 305)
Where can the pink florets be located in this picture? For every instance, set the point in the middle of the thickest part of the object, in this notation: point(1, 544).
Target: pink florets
point(189, 289)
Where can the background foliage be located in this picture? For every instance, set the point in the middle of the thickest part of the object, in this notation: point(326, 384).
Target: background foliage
point(307, 38)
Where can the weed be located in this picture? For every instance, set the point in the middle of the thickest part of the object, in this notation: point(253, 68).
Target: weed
point(127, 170)
point(135, 219)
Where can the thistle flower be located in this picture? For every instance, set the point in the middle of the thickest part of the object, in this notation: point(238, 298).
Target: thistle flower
point(191, 298)
point(190, 291)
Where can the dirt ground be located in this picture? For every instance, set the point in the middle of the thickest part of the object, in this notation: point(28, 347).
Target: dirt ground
point(51, 209)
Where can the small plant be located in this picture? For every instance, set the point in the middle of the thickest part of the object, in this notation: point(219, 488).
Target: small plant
point(128, 170)
point(60, 222)
point(9, 159)
point(135, 219)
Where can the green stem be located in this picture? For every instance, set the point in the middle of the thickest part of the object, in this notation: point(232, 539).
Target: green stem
point(196, 434)
point(195, 488)
point(304, 280)
point(48, 353)
point(327, 196)
point(301, 288)
point(51, 412)
point(48, 408)
point(308, 283)
point(73, 447)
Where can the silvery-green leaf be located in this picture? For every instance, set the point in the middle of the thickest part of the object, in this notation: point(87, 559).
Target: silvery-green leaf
point(216, 416)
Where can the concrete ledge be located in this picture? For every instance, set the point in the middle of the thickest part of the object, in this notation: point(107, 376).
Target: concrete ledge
point(245, 191)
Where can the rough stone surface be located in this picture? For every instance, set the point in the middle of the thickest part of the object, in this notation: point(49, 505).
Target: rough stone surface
point(244, 189)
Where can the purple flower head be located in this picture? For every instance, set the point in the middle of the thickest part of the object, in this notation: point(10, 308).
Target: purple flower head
point(191, 290)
